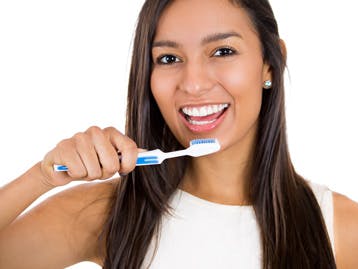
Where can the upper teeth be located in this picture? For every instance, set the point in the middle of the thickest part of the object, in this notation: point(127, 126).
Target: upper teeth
point(203, 110)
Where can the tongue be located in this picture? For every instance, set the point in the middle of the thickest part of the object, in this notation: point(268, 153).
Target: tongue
point(208, 117)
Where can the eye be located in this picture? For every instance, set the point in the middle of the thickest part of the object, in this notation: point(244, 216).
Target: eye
point(167, 59)
point(226, 51)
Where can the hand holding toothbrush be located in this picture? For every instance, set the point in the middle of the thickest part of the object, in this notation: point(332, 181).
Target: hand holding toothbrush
point(90, 155)
point(93, 154)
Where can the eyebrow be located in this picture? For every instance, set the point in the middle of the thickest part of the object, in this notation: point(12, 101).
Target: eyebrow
point(219, 36)
point(165, 43)
point(208, 39)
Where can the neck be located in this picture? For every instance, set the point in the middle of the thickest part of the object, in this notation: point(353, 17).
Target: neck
point(222, 177)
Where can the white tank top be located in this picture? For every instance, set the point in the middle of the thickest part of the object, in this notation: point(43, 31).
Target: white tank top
point(203, 235)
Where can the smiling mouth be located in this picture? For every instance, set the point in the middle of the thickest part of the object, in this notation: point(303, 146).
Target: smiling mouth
point(203, 115)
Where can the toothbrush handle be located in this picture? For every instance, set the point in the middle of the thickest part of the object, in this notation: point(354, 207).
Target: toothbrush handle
point(144, 158)
point(147, 160)
point(150, 157)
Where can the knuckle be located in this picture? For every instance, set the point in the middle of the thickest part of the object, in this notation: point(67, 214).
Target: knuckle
point(111, 132)
point(111, 164)
point(113, 167)
point(127, 166)
point(106, 174)
point(62, 143)
point(132, 144)
point(79, 138)
point(94, 130)
point(96, 174)
point(79, 173)
point(110, 129)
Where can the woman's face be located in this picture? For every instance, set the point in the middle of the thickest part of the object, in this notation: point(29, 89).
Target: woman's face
point(208, 71)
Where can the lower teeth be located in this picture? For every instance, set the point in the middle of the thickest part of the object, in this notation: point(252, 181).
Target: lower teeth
point(200, 122)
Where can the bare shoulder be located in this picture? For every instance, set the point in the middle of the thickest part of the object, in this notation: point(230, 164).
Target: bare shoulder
point(85, 209)
point(345, 231)
point(62, 230)
point(89, 198)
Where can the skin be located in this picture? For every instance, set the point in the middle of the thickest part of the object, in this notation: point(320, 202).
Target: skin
point(201, 74)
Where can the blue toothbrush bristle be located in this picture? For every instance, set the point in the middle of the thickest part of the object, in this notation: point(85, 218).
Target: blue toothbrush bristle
point(203, 141)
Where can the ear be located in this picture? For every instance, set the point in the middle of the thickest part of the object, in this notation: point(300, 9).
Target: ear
point(283, 49)
point(267, 74)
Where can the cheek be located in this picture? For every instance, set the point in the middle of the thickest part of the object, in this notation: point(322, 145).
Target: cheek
point(241, 79)
point(243, 82)
point(162, 90)
point(158, 87)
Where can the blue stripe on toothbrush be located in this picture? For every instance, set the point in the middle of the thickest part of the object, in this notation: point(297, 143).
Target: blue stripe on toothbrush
point(61, 168)
point(147, 160)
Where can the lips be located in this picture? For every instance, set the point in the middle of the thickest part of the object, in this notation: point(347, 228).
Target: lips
point(203, 118)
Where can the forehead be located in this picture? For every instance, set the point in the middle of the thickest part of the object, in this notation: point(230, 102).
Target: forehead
point(194, 19)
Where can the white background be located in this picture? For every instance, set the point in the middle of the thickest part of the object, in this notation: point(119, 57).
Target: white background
point(64, 67)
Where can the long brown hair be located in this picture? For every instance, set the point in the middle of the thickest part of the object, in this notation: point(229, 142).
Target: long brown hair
point(292, 228)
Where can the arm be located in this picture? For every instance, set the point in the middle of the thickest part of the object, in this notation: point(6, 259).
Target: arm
point(16, 196)
point(345, 232)
point(55, 233)
point(61, 231)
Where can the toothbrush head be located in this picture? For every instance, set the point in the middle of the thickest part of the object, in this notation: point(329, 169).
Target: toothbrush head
point(201, 147)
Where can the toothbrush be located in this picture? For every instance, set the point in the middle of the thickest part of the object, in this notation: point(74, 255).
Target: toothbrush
point(197, 148)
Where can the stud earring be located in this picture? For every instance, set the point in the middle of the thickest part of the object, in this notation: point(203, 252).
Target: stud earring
point(267, 84)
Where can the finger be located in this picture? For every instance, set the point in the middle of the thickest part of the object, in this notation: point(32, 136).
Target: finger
point(127, 148)
point(53, 178)
point(89, 156)
point(69, 156)
point(64, 153)
point(106, 153)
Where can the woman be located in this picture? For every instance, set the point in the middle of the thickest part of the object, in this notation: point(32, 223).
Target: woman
point(242, 207)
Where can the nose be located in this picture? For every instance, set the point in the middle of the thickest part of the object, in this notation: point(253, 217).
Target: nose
point(196, 78)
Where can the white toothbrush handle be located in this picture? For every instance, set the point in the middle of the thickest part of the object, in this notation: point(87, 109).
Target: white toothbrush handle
point(174, 154)
point(157, 156)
